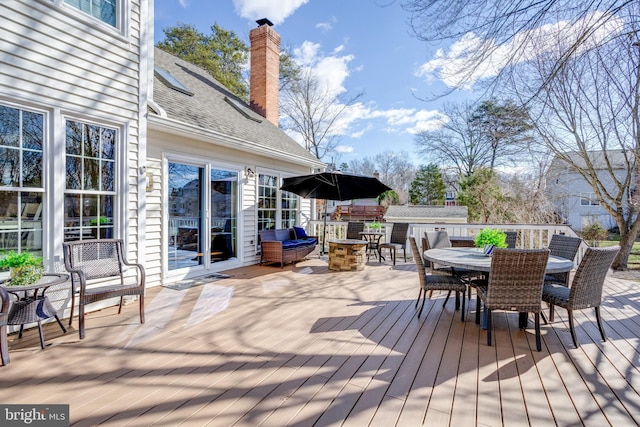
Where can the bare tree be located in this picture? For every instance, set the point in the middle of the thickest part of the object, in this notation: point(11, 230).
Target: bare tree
point(588, 117)
point(313, 111)
point(394, 168)
point(497, 35)
point(459, 144)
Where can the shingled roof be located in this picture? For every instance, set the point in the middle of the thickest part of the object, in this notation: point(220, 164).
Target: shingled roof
point(213, 109)
point(421, 213)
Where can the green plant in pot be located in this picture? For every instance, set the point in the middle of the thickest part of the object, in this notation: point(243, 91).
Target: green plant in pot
point(24, 267)
point(375, 226)
point(490, 238)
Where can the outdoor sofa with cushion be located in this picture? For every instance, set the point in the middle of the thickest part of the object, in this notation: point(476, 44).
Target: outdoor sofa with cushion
point(285, 245)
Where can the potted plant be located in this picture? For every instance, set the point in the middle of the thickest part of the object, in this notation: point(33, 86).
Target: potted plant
point(375, 226)
point(490, 238)
point(24, 267)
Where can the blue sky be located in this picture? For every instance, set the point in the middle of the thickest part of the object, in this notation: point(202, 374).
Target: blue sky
point(356, 46)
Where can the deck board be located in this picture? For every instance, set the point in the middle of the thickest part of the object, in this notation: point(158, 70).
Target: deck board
point(306, 346)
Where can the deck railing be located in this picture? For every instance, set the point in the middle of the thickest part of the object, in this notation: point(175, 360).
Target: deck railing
point(530, 236)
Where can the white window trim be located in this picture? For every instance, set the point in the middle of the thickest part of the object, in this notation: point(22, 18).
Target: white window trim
point(280, 176)
point(123, 17)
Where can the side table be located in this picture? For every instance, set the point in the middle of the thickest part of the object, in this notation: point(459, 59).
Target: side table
point(33, 306)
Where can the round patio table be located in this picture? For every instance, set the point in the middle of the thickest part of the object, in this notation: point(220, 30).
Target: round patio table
point(33, 306)
point(473, 259)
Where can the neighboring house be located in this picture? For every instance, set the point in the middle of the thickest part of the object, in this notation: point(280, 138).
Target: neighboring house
point(73, 96)
point(420, 214)
point(217, 165)
point(574, 198)
point(93, 145)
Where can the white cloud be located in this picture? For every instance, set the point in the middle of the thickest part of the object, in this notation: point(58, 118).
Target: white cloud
point(184, 3)
point(455, 69)
point(330, 70)
point(327, 26)
point(275, 11)
point(344, 149)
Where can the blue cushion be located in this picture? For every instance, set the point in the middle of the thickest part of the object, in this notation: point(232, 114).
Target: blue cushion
point(300, 233)
point(290, 244)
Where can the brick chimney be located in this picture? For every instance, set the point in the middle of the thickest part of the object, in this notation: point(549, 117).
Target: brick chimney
point(265, 69)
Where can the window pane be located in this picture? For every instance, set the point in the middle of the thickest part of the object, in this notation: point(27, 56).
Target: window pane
point(74, 138)
point(108, 176)
point(32, 169)
point(32, 134)
point(92, 141)
point(9, 126)
point(108, 141)
point(74, 168)
point(91, 174)
point(9, 167)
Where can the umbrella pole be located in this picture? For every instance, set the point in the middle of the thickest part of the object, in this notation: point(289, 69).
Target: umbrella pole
point(324, 228)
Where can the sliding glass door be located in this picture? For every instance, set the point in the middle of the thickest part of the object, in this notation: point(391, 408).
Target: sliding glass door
point(201, 197)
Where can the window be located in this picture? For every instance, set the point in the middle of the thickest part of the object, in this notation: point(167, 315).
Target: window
point(269, 198)
point(289, 209)
point(104, 10)
point(21, 179)
point(267, 201)
point(588, 199)
point(90, 183)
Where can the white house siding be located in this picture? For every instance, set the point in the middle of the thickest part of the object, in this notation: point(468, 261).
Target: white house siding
point(59, 60)
point(566, 187)
point(162, 145)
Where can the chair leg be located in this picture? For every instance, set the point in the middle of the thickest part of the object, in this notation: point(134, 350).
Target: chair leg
point(4, 345)
point(477, 310)
point(489, 326)
point(120, 306)
point(457, 300)
point(463, 305)
point(572, 328)
point(81, 320)
point(421, 307)
point(446, 299)
point(142, 308)
point(420, 296)
point(538, 339)
point(600, 325)
point(551, 312)
point(544, 318)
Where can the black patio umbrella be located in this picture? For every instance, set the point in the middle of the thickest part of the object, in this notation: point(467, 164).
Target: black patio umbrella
point(334, 186)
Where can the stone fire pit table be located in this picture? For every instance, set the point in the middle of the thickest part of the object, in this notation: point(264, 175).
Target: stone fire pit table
point(347, 254)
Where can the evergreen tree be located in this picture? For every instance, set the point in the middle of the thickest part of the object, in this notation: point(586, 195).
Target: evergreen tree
point(428, 187)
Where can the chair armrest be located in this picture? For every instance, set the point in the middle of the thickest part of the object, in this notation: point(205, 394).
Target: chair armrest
point(271, 244)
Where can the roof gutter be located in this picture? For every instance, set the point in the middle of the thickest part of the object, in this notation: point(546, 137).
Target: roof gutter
point(179, 128)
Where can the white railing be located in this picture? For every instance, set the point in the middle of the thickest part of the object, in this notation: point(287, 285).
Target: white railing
point(529, 235)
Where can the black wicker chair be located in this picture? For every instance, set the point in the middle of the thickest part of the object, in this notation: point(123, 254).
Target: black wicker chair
point(512, 239)
point(397, 241)
point(102, 259)
point(586, 287)
point(564, 247)
point(354, 229)
point(4, 318)
point(436, 282)
point(515, 284)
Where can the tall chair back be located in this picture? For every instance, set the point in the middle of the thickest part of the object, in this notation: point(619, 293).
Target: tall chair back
point(564, 247)
point(398, 240)
point(586, 287)
point(515, 284)
point(354, 229)
point(4, 319)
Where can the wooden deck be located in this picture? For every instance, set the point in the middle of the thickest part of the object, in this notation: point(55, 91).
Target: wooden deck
point(307, 346)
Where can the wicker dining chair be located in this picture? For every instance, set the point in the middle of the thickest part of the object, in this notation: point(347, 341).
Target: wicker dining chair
point(4, 320)
point(354, 229)
point(440, 239)
point(515, 284)
point(564, 247)
point(512, 239)
point(102, 259)
point(436, 282)
point(397, 241)
point(586, 287)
